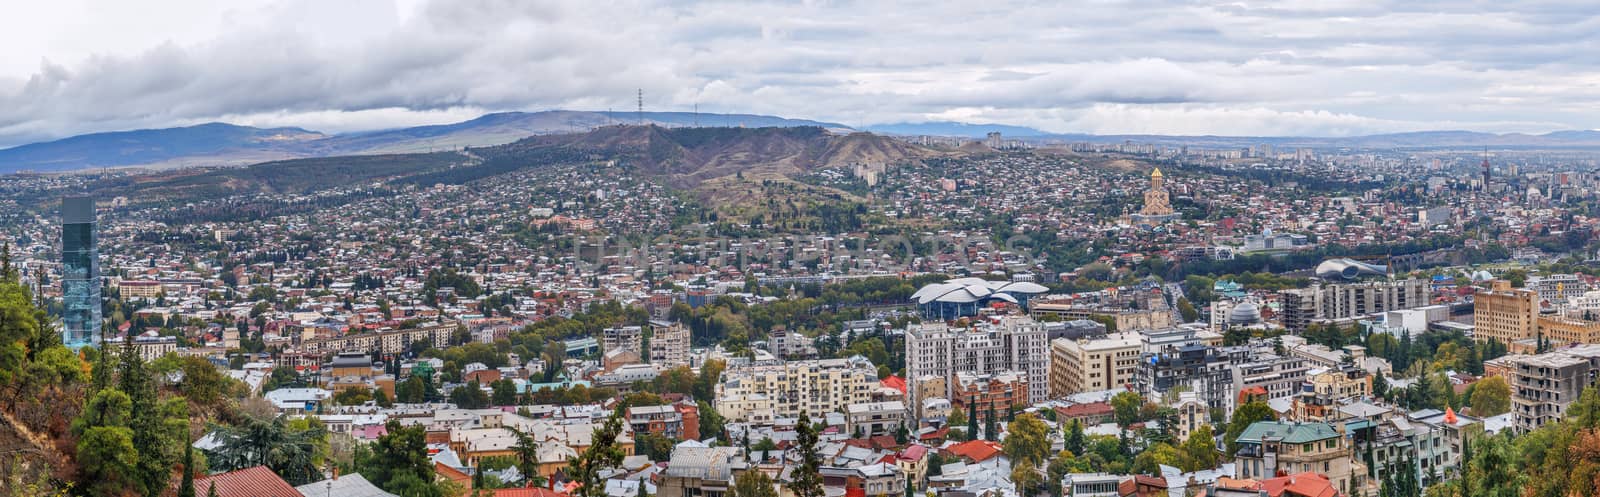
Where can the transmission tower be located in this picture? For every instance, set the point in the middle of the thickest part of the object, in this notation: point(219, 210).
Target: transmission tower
point(641, 106)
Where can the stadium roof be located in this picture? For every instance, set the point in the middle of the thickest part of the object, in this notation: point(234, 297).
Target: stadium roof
point(963, 290)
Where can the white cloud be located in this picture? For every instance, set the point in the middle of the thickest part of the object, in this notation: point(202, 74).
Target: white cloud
point(1232, 68)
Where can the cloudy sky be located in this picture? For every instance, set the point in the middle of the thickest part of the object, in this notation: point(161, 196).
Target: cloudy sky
point(1294, 67)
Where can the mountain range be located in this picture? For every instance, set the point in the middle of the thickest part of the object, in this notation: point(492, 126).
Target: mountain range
point(220, 144)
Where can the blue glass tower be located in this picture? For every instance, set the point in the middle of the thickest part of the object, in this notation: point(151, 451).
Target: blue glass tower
point(80, 273)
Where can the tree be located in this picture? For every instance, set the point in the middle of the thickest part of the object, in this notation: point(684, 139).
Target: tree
point(291, 453)
point(1025, 476)
point(1027, 439)
point(656, 447)
point(990, 433)
point(972, 420)
point(381, 397)
point(526, 453)
point(186, 486)
point(806, 479)
point(1243, 417)
point(603, 453)
point(1075, 437)
point(1200, 450)
point(1491, 397)
point(398, 462)
point(1125, 407)
point(505, 393)
point(711, 422)
point(469, 396)
point(1150, 460)
point(753, 483)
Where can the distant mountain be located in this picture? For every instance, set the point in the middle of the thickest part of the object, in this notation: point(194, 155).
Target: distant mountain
point(148, 146)
point(1411, 140)
point(953, 129)
point(218, 144)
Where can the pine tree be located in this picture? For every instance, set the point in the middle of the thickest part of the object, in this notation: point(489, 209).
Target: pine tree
point(806, 480)
point(186, 488)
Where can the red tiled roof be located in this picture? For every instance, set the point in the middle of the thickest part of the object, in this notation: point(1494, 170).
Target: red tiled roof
point(1300, 485)
point(249, 482)
point(976, 450)
point(895, 382)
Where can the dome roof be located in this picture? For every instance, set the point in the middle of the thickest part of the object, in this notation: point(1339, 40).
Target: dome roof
point(1348, 269)
point(963, 290)
point(1244, 313)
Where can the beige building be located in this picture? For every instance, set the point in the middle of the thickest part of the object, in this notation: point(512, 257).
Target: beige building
point(1269, 448)
point(1086, 365)
point(622, 338)
point(1505, 314)
point(1544, 385)
point(139, 289)
point(761, 393)
point(1328, 389)
point(1192, 414)
point(1564, 330)
point(669, 344)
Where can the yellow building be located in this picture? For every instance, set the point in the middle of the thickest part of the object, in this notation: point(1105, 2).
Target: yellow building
point(1564, 330)
point(1329, 390)
point(765, 392)
point(1093, 365)
point(1505, 314)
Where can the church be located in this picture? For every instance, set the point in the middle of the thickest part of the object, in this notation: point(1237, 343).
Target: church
point(1157, 205)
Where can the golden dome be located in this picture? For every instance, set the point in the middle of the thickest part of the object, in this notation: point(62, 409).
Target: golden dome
point(1156, 173)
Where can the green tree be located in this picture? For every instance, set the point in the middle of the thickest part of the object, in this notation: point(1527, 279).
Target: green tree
point(1074, 438)
point(398, 462)
point(753, 483)
point(711, 422)
point(289, 452)
point(1491, 397)
point(1150, 460)
point(186, 485)
point(526, 454)
point(1200, 450)
point(1243, 417)
point(603, 453)
point(1125, 407)
point(1025, 476)
point(505, 393)
point(806, 479)
point(1027, 439)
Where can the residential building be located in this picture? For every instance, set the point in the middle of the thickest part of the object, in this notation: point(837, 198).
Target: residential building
point(1505, 314)
point(622, 338)
point(669, 344)
point(1193, 412)
point(1090, 365)
point(1092, 485)
point(1344, 302)
point(664, 420)
point(700, 471)
point(1326, 389)
point(1280, 377)
point(989, 393)
point(1557, 287)
point(1205, 370)
point(1007, 343)
point(1271, 448)
point(764, 392)
point(871, 419)
point(1559, 330)
point(1543, 385)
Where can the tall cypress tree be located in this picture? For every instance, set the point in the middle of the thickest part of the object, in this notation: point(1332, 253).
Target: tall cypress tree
point(153, 468)
point(988, 425)
point(186, 488)
point(806, 480)
point(972, 420)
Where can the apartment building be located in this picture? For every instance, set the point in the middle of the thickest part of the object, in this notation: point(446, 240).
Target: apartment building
point(1561, 330)
point(1326, 389)
point(1271, 448)
point(665, 420)
point(1343, 302)
point(1543, 385)
point(871, 419)
point(1280, 377)
point(622, 338)
point(1505, 314)
point(1007, 343)
point(990, 393)
point(1090, 365)
point(763, 392)
point(669, 344)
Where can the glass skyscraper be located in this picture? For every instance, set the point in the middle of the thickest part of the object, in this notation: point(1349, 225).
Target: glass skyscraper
point(80, 273)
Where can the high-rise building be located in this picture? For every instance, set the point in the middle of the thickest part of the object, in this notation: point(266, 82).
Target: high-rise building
point(669, 344)
point(1543, 386)
point(1505, 314)
point(1010, 343)
point(80, 273)
point(763, 392)
point(1342, 303)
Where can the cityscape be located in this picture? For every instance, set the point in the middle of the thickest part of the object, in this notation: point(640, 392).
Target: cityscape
point(761, 257)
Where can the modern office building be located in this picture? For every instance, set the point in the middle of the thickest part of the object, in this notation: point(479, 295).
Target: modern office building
point(1078, 366)
point(80, 273)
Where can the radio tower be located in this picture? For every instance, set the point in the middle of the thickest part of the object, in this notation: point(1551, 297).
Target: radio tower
point(641, 106)
point(1486, 169)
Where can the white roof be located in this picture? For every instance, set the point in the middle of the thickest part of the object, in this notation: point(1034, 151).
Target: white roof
point(963, 290)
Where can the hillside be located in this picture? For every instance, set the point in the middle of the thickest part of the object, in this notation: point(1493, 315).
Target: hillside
point(688, 157)
point(218, 144)
point(221, 141)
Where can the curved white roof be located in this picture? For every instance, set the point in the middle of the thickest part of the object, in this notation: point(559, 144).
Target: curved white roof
point(964, 290)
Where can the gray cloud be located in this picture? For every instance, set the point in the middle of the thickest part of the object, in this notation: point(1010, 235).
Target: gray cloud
point(1297, 67)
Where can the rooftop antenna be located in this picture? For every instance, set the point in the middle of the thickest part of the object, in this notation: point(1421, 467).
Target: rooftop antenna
point(641, 106)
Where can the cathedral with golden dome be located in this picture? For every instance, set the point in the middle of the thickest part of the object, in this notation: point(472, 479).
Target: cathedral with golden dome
point(1157, 204)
